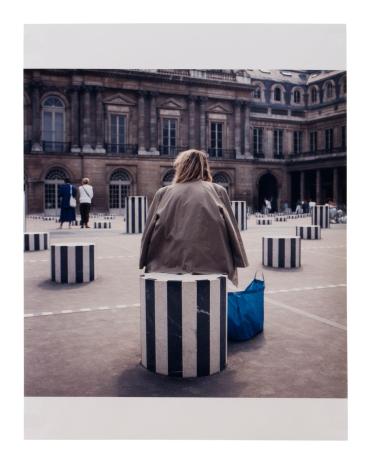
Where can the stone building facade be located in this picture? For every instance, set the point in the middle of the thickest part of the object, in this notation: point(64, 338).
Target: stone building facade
point(279, 134)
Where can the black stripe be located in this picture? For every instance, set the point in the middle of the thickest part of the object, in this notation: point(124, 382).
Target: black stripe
point(236, 213)
point(269, 252)
point(91, 262)
point(150, 324)
point(281, 255)
point(140, 216)
point(263, 251)
point(223, 339)
point(133, 227)
point(95, 225)
point(53, 263)
point(174, 327)
point(26, 242)
point(321, 216)
point(298, 264)
point(243, 216)
point(36, 237)
point(317, 233)
point(292, 252)
point(79, 264)
point(126, 204)
point(64, 264)
point(309, 233)
point(45, 241)
point(203, 327)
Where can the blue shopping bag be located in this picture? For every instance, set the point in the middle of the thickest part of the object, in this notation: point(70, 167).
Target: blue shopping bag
point(245, 313)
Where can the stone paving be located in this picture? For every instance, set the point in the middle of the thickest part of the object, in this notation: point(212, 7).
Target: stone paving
point(84, 339)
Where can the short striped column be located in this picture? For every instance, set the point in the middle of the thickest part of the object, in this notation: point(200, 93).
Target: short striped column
point(109, 217)
point(309, 232)
point(136, 211)
point(48, 218)
point(38, 241)
point(240, 212)
point(281, 252)
point(183, 322)
point(320, 216)
point(264, 221)
point(280, 219)
point(102, 225)
point(72, 263)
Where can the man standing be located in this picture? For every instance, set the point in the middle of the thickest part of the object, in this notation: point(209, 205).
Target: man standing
point(86, 195)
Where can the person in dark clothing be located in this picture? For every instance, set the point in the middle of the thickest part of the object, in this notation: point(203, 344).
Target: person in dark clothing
point(67, 212)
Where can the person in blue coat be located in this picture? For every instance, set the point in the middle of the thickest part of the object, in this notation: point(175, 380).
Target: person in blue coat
point(67, 213)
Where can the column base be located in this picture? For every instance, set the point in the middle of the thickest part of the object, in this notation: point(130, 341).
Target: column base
point(100, 149)
point(154, 151)
point(143, 152)
point(240, 156)
point(248, 156)
point(75, 149)
point(87, 149)
point(36, 148)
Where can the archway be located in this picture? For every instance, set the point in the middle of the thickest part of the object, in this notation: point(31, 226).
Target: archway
point(119, 188)
point(222, 179)
point(53, 179)
point(267, 189)
point(168, 177)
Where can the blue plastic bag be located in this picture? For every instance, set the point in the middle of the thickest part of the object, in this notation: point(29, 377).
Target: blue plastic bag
point(245, 314)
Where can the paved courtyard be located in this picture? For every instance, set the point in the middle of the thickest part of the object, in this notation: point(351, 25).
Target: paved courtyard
point(84, 339)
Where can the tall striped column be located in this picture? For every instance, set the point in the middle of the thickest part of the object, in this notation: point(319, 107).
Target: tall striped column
point(38, 241)
point(183, 322)
point(136, 212)
point(240, 212)
point(310, 232)
point(72, 263)
point(320, 216)
point(281, 252)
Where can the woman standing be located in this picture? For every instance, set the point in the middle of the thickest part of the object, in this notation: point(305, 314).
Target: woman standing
point(67, 210)
point(190, 226)
point(86, 194)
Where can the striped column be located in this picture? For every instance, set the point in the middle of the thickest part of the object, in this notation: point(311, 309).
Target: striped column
point(136, 211)
point(102, 225)
point(264, 221)
point(310, 232)
point(240, 212)
point(72, 263)
point(48, 218)
point(109, 217)
point(281, 252)
point(280, 219)
point(183, 322)
point(38, 241)
point(320, 216)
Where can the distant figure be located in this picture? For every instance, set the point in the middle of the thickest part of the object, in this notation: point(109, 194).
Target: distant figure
point(298, 209)
point(67, 212)
point(267, 206)
point(304, 207)
point(311, 205)
point(86, 195)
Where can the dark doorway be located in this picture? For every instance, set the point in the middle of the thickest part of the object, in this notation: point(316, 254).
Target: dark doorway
point(267, 189)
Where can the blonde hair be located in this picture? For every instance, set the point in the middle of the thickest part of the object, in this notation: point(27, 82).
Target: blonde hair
point(191, 165)
point(85, 180)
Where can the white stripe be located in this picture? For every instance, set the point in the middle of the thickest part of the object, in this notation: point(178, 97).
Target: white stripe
point(214, 326)
point(32, 242)
point(143, 322)
point(298, 252)
point(288, 252)
point(85, 264)
point(189, 329)
point(265, 251)
point(161, 332)
point(275, 252)
point(57, 264)
point(71, 256)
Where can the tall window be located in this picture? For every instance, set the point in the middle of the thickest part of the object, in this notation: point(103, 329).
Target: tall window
point(329, 90)
point(216, 139)
point(313, 95)
point(119, 188)
point(277, 94)
point(328, 140)
point(313, 142)
point(278, 142)
point(53, 124)
point(53, 180)
point(297, 139)
point(297, 96)
point(258, 141)
point(169, 129)
point(344, 136)
point(257, 92)
point(117, 133)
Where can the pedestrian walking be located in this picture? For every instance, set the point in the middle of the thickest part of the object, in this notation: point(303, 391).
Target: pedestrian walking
point(190, 226)
point(86, 194)
point(67, 193)
point(311, 205)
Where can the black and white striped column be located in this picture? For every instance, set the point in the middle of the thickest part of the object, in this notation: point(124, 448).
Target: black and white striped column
point(281, 252)
point(38, 241)
point(280, 219)
point(72, 263)
point(108, 217)
point(320, 216)
point(240, 212)
point(136, 212)
point(309, 232)
point(48, 218)
point(102, 225)
point(264, 221)
point(183, 321)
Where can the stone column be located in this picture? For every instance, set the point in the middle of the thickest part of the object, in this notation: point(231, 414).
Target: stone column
point(153, 124)
point(86, 122)
point(335, 185)
point(141, 122)
point(318, 186)
point(203, 138)
point(36, 118)
point(191, 110)
point(99, 121)
point(247, 129)
point(75, 122)
point(237, 128)
point(301, 186)
point(268, 148)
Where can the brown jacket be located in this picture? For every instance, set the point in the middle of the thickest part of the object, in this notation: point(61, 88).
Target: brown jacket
point(191, 228)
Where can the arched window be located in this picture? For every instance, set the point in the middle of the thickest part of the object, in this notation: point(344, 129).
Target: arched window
point(343, 85)
point(257, 92)
point(119, 188)
point(53, 179)
point(222, 179)
point(329, 90)
point(53, 124)
point(277, 94)
point(313, 95)
point(167, 179)
point(297, 96)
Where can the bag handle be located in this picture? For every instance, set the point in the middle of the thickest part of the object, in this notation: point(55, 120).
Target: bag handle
point(263, 277)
